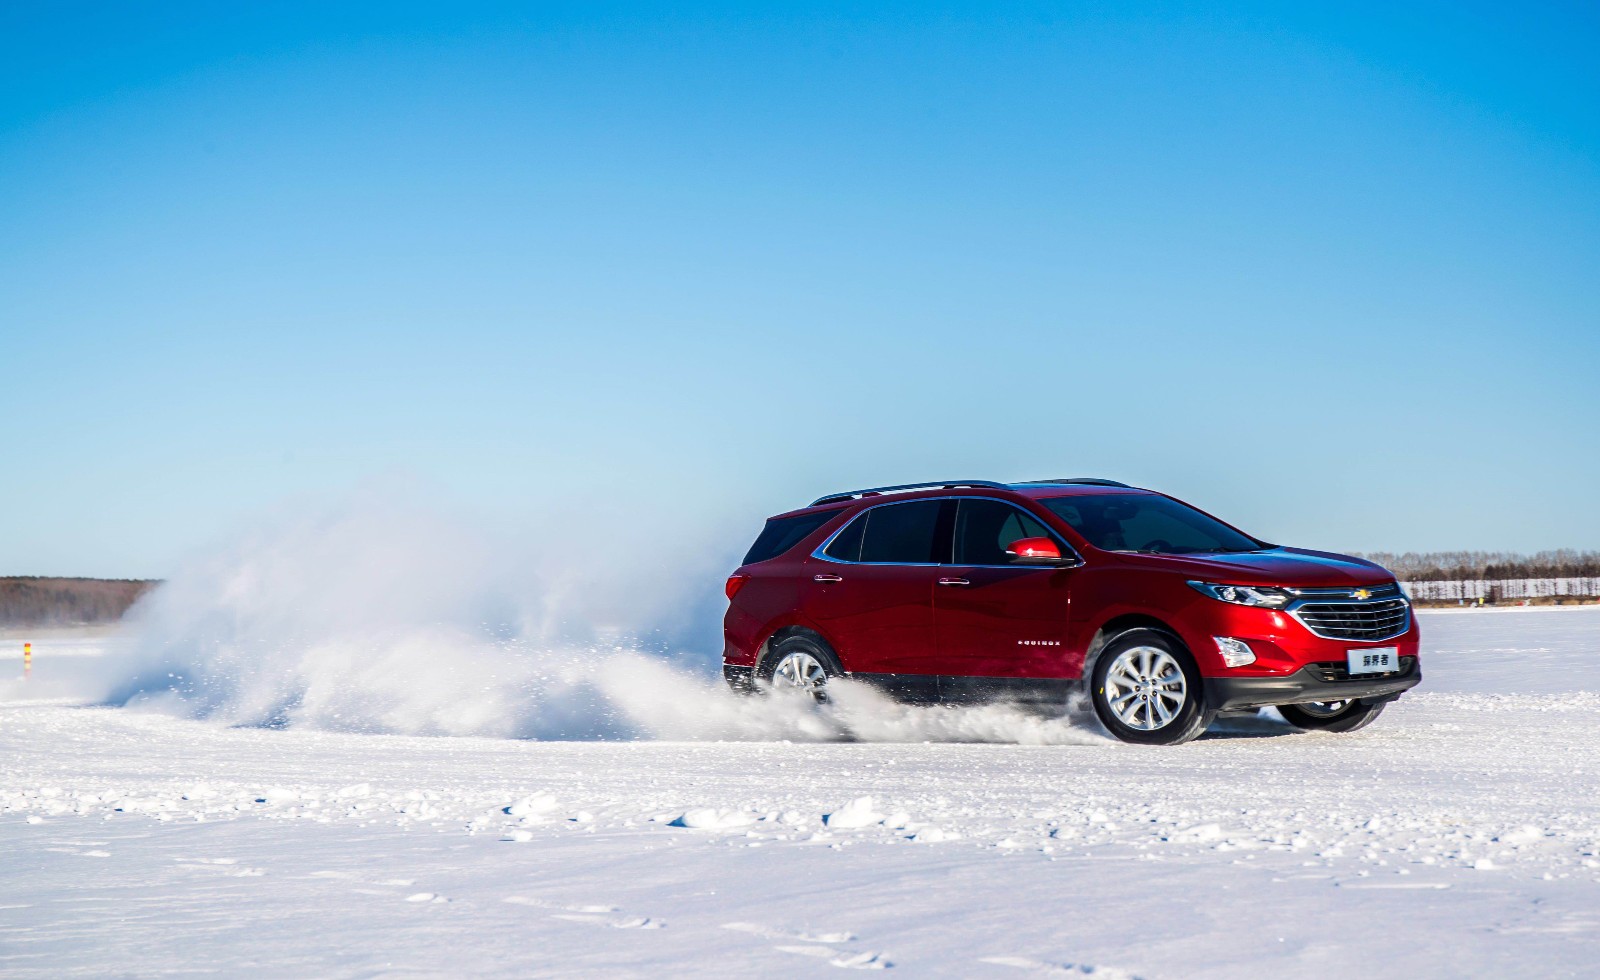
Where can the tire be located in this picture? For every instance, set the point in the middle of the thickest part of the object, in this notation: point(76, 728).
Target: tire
point(798, 663)
point(1147, 689)
point(1348, 716)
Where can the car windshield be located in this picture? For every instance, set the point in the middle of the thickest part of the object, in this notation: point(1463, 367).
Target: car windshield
point(1149, 524)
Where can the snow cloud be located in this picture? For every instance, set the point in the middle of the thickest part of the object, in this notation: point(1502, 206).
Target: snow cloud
point(384, 615)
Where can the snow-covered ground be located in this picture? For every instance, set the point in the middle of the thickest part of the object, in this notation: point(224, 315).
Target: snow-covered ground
point(1458, 836)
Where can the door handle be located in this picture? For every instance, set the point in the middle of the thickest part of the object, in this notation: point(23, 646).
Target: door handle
point(954, 581)
point(827, 578)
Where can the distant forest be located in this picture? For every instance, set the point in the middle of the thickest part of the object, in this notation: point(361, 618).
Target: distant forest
point(1446, 576)
point(1446, 566)
point(32, 601)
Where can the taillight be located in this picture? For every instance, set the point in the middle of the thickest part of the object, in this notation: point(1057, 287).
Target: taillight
point(735, 583)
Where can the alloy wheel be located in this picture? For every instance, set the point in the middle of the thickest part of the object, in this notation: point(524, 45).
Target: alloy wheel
point(1145, 688)
point(800, 671)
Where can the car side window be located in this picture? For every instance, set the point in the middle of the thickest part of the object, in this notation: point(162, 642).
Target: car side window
point(783, 533)
point(985, 527)
point(901, 533)
point(846, 545)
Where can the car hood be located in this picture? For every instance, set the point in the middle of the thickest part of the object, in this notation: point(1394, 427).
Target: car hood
point(1279, 566)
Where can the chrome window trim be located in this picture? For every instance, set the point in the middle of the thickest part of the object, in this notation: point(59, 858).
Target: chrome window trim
point(1068, 549)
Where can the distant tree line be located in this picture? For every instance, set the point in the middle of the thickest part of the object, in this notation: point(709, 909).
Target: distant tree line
point(1494, 575)
point(34, 601)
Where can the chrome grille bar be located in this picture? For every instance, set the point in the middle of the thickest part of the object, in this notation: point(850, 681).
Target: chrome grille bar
point(1355, 620)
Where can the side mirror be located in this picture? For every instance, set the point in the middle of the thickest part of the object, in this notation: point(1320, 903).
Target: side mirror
point(1036, 551)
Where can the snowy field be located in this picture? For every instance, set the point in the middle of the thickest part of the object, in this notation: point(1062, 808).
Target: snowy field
point(1458, 836)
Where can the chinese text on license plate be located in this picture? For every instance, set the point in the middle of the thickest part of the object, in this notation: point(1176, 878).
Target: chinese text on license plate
point(1374, 660)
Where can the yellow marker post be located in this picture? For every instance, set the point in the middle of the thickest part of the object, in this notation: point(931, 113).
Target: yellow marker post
point(27, 660)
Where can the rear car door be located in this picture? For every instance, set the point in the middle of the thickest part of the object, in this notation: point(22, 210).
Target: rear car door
point(993, 618)
point(872, 588)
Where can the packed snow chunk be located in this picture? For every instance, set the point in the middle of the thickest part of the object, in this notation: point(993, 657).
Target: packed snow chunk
point(519, 836)
point(1200, 833)
point(860, 961)
point(1526, 834)
point(858, 812)
point(421, 897)
point(845, 960)
point(712, 819)
point(533, 806)
point(933, 835)
point(709, 818)
point(769, 932)
point(359, 789)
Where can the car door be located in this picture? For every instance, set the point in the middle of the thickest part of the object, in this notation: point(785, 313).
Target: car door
point(993, 618)
point(872, 589)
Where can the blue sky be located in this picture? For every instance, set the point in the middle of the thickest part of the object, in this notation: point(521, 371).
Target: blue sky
point(1328, 272)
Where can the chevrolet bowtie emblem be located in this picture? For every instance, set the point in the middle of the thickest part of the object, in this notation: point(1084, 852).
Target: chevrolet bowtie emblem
point(1361, 594)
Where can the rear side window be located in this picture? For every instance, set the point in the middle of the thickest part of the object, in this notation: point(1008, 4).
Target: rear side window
point(901, 533)
point(846, 545)
point(783, 533)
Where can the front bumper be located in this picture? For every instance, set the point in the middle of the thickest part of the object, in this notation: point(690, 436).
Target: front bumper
point(1306, 685)
point(1281, 645)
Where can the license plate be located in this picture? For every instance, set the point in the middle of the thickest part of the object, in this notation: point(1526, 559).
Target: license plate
point(1374, 660)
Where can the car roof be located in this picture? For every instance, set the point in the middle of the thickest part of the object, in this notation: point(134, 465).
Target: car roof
point(1042, 490)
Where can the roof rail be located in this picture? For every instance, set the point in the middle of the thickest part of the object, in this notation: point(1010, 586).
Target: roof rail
point(834, 498)
point(1091, 481)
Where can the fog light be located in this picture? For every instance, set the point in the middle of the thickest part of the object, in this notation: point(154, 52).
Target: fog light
point(1235, 652)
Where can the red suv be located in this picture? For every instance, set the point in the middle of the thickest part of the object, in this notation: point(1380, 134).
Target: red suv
point(969, 590)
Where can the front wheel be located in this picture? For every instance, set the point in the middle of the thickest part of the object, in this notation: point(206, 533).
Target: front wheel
point(1147, 689)
point(1331, 716)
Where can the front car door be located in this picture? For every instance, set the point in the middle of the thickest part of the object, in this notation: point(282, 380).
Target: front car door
point(993, 618)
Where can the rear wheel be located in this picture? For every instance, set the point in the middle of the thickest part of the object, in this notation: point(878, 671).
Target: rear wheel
point(799, 663)
point(1331, 716)
point(1147, 689)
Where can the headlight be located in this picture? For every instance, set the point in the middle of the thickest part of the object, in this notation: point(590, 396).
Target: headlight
point(1245, 595)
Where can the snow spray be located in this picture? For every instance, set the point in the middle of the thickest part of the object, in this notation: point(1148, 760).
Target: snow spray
point(382, 614)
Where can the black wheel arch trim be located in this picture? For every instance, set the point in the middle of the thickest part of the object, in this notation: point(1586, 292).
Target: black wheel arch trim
point(783, 633)
point(1115, 629)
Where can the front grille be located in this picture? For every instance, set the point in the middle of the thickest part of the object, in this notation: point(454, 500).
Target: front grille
point(1333, 672)
point(1376, 619)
